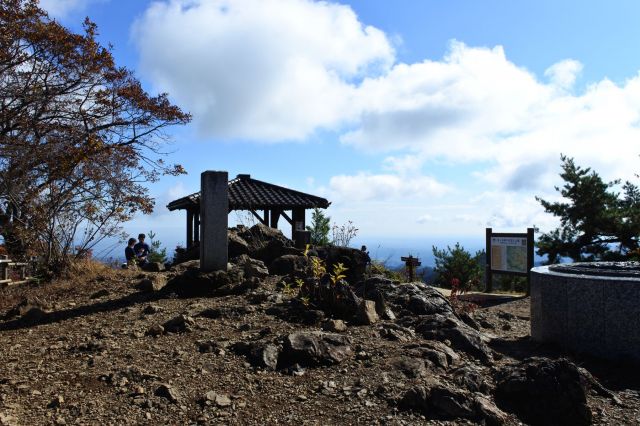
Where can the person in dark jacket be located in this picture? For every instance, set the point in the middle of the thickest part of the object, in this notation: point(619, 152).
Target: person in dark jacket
point(130, 252)
point(141, 249)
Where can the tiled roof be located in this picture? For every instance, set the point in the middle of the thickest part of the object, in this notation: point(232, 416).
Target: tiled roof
point(246, 193)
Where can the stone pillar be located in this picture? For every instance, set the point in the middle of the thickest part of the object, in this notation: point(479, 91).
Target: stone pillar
point(214, 211)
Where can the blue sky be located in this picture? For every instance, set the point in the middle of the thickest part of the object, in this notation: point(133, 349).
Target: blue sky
point(422, 121)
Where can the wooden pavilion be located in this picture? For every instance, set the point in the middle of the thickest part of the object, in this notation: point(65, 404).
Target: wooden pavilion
point(255, 196)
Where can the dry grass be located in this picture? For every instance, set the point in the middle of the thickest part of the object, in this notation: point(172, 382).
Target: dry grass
point(83, 277)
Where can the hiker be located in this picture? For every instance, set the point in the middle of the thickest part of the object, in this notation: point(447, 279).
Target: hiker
point(142, 250)
point(367, 257)
point(130, 253)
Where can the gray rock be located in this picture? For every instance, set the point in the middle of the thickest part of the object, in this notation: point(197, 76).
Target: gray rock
point(290, 264)
point(334, 325)
point(151, 309)
point(153, 283)
point(237, 245)
point(367, 314)
point(471, 379)
point(310, 348)
point(251, 267)
point(153, 267)
point(461, 336)
point(168, 392)
point(395, 332)
point(259, 354)
point(155, 330)
point(443, 402)
point(412, 368)
point(179, 324)
point(544, 391)
point(29, 310)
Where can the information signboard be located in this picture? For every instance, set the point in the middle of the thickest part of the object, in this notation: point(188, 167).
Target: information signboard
point(509, 253)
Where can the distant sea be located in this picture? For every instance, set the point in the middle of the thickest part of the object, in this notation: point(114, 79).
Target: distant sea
point(383, 249)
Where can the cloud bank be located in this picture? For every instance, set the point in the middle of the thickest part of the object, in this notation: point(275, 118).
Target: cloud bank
point(281, 70)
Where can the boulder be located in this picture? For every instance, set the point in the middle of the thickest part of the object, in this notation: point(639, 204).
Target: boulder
point(542, 391)
point(462, 337)
point(259, 354)
point(471, 378)
point(444, 402)
point(151, 283)
point(179, 324)
point(192, 282)
point(395, 332)
point(265, 243)
point(290, 264)
point(153, 267)
point(337, 300)
point(415, 298)
point(29, 310)
point(251, 267)
point(309, 348)
point(412, 368)
point(436, 353)
point(353, 259)
point(236, 244)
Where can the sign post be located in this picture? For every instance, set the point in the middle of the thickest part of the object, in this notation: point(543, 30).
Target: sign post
point(411, 263)
point(509, 254)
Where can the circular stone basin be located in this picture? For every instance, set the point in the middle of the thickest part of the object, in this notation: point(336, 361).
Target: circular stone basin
point(592, 308)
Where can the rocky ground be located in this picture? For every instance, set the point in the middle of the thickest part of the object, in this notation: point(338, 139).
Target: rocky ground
point(123, 347)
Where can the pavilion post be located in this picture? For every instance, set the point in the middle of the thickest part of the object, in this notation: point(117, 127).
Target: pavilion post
point(297, 225)
point(214, 208)
point(275, 216)
point(189, 242)
point(265, 217)
point(196, 227)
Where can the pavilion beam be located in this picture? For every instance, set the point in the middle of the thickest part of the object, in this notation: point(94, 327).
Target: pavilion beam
point(189, 229)
point(260, 219)
point(286, 217)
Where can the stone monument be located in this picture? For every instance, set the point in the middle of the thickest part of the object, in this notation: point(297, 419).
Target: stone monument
point(214, 218)
point(591, 308)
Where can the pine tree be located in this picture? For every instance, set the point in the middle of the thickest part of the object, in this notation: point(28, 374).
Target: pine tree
point(596, 223)
point(319, 228)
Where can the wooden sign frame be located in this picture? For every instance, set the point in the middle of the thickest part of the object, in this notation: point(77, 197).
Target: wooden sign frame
point(490, 270)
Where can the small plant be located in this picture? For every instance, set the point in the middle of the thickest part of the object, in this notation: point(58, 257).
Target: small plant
point(338, 273)
point(459, 305)
point(157, 253)
point(342, 235)
point(318, 267)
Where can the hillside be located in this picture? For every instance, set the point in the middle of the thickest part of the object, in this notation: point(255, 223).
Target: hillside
point(182, 347)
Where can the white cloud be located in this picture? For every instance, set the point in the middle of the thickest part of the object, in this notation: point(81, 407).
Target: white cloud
point(273, 70)
point(62, 8)
point(381, 187)
point(260, 69)
point(564, 73)
point(425, 218)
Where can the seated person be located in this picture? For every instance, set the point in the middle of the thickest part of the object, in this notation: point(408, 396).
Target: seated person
point(130, 253)
point(141, 249)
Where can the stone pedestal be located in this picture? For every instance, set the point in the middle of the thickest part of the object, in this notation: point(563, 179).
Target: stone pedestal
point(214, 214)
